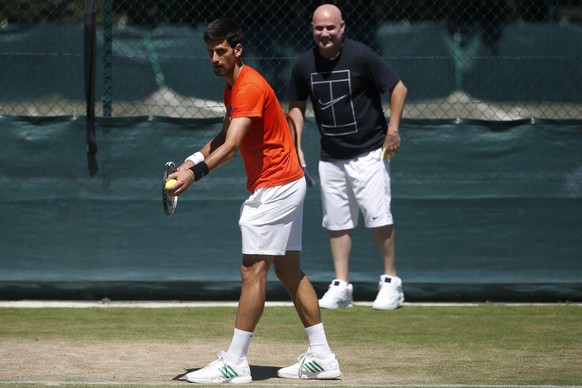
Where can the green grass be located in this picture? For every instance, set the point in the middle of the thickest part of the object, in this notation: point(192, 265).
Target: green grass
point(482, 344)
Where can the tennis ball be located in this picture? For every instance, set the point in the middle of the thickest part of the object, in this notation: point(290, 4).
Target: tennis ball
point(170, 182)
point(387, 155)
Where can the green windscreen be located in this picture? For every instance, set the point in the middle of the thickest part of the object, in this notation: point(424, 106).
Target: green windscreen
point(483, 211)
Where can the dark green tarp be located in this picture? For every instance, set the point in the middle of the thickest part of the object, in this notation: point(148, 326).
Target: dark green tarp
point(483, 211)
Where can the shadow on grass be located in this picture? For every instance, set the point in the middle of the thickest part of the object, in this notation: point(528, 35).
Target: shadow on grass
point(259, 373)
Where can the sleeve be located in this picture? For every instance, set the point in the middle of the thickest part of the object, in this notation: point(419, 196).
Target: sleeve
point(247, 101)
point(383, 75)
point(298, 88)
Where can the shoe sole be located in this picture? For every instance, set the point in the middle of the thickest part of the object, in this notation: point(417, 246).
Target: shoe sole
point(236, 380)
point(339, 306)
point(393, 307)
point(336, 307)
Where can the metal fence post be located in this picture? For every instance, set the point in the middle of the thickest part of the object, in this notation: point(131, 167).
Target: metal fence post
point(90, 53)
point(107, 58)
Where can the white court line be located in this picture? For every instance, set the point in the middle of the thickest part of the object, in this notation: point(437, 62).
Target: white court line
point(172, 304)
point(334, 384)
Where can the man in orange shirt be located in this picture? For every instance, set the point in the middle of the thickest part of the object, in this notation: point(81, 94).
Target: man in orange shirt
point(270, 219)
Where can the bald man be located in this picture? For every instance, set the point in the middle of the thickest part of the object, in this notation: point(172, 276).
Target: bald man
point(345, 80)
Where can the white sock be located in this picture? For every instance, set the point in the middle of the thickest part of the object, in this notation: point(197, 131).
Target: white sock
point(318, 345)
point(239, 346)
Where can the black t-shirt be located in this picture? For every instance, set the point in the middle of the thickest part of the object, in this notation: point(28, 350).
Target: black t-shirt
point(346, 97)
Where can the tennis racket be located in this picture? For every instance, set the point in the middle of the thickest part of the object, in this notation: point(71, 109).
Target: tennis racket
point(310, 181)
point(170, 202)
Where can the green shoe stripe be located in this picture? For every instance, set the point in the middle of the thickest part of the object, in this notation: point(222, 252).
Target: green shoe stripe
point(228, 372)
point(313, 367)
point(231, 369)
point(224, 372)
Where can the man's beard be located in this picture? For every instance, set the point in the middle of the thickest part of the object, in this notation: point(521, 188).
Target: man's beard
point(219, 71)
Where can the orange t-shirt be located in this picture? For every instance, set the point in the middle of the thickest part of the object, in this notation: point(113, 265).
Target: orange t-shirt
point(267, 149)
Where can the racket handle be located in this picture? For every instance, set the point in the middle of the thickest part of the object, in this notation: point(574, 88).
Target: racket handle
point(310, 181)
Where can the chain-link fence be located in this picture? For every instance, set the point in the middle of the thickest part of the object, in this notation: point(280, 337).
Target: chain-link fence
point(480, 59)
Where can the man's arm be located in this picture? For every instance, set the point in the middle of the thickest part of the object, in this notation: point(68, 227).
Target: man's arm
point(217, 152)
point(297, 114)
point(397, 100)
point(233, 137)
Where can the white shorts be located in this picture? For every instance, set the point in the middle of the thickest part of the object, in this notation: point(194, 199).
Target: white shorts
point(271, 219)
point(348, 186)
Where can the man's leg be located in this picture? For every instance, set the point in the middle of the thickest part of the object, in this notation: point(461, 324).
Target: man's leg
point(340, 244)
point(385, 241)
point(340, 214)
point(251, 304)
point(232, 366)
point(340, 291)
point(318, 362)
point(390, 295)
point(300, 289)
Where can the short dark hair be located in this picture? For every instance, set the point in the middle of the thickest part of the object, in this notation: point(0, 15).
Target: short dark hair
point(223, 29)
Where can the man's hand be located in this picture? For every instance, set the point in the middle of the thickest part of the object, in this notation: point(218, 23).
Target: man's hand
point(184, 177)
point(391, 144)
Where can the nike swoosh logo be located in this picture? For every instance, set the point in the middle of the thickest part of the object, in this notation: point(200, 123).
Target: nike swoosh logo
point(329, 104)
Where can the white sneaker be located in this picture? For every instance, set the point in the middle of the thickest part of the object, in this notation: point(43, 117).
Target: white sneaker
point(311, 367)
point(339, 294)
point(390, 295)
point(222, 371)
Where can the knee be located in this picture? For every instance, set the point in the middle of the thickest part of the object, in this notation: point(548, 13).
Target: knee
point(289, 278)
point(253, 273)
point(281, 275)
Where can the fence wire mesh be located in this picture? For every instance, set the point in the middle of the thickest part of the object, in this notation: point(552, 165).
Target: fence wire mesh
point(477, 59)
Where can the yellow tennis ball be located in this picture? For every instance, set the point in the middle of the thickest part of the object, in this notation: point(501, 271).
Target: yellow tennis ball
point(387, 155)
point(170, 182)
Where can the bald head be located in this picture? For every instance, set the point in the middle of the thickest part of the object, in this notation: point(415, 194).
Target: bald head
point(328, 10)
point(328, 27)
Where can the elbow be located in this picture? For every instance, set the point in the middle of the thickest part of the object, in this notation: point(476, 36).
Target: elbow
point(402, 89)
point(298, 106)
point(231, 152)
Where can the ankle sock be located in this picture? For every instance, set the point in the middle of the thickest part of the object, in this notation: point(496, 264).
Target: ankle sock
point(318, 345)
point(239, 346)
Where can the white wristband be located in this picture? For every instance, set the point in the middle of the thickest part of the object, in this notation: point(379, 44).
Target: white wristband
point(196, 157)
